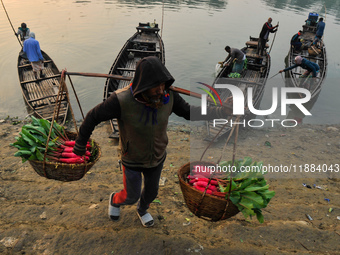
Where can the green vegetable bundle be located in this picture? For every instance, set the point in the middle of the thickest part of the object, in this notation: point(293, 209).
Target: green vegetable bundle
point(31, 143)
point(249, 189)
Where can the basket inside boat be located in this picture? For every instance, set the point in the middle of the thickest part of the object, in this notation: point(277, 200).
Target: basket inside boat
point(205, 206)
point(62, 171)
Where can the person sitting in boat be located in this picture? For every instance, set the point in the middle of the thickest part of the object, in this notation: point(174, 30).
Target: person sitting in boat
point(33, 52)
point(310, 67)
point(142, 110)
point(23, 32)
point(236, 58)
point(320, 27)
point(295, 42)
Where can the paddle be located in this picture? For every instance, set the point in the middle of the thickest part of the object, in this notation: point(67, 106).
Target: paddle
point(273, 75)
point(274, 38)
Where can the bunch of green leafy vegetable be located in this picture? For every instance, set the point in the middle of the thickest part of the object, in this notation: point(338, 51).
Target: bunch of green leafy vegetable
point(31, 143)
point(249, 189)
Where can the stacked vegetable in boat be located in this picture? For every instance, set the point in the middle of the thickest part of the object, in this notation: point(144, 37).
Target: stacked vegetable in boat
point(31, 144)
point(248, 191)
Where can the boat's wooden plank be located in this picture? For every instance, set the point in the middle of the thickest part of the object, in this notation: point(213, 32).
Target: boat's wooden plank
point(255, 65)
point(44, 97)
point(240, 81)
point(32, 86)
point(308, 56)
point(126, 69)
point(41, 79)
point(255, 44)
point(41, 107)
point(28, 65)
point(143, 51)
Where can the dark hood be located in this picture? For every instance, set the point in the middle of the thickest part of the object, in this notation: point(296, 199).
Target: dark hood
point(150, 72)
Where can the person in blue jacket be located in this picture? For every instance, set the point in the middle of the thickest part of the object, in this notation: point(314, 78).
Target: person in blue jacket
point(320, 27)
point(310, 66)
point(33, 52)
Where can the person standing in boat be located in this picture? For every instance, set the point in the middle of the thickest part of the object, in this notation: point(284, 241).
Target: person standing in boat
point(142, 110)
point(33, 52)
point(23, 32)
point(295, 41)
point(264, 34)
point(310, 67)
point(320, 27)
point(236, 58)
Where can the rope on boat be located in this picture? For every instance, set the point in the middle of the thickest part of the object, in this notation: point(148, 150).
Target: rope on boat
point(10, 22)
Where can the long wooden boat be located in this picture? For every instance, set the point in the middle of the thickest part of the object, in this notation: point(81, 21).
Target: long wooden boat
point(40, 94)
point(253, 76)
point(312, 53)
point(145, 42)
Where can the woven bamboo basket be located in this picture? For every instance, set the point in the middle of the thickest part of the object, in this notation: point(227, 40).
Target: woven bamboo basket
point(205, 206)
point(65, 172)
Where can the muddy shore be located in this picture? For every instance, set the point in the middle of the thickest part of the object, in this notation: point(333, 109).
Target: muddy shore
point(44, 216)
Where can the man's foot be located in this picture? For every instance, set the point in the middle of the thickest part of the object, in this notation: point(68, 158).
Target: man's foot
point(42, 75)
point(146, 219)
point(114, 212)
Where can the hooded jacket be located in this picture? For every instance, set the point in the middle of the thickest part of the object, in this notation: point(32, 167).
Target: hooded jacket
point(143, 137)
point(150, 72)
point(142, 129)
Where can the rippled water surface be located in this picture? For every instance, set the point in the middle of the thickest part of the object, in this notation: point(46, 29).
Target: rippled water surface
point(86, 36)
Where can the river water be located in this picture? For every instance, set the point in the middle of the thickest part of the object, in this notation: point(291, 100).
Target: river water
point(86, 36)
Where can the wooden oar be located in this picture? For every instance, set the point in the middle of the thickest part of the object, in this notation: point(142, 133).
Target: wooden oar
point(273, 75)
point(127, 78)
point(273, 39)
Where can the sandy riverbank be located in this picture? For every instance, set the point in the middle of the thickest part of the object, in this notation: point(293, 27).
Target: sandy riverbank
point(42, 216)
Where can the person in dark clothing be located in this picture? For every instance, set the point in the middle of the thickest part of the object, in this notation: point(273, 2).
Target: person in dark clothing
point(23, 32)
point(142, 110)
point(310, 67)
point(237, 58)
point(295, 41)
point(320, 27)
point(264, 34)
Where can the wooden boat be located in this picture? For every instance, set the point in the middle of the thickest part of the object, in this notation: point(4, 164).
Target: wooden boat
point(145, 42)
point(40, 94)
point(315, 54)
point(253, 76)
